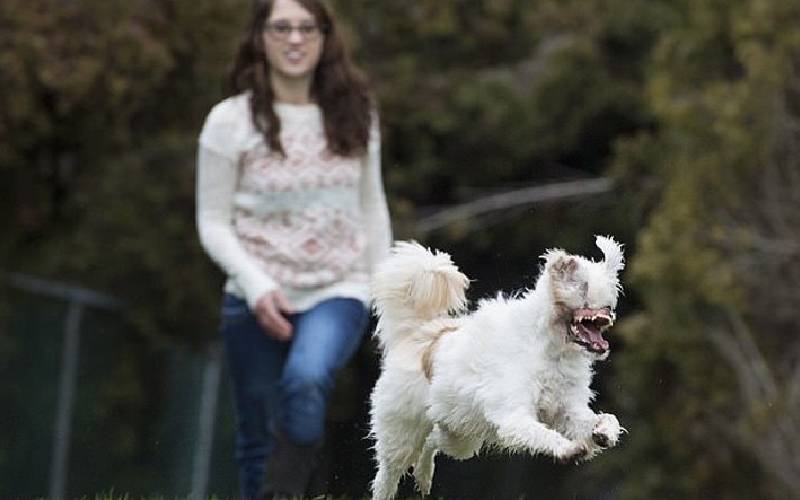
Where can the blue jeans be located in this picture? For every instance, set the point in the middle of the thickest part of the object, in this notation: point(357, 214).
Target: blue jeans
point(285, 384)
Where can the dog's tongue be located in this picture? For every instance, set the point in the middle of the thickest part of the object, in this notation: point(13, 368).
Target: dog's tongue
point(594, 338)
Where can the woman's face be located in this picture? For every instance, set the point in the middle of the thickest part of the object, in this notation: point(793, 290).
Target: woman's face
point(293, 40)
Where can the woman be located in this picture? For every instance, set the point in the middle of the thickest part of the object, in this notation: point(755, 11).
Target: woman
point(290, 205)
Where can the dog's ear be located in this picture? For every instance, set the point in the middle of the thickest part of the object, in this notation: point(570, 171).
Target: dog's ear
point(612, 253)
point(560, 265)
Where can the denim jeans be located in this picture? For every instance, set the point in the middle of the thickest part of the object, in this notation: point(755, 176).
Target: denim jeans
point(285, 384)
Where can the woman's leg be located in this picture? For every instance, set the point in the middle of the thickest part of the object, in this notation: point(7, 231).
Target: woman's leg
point(325, 338)
point(254, 361)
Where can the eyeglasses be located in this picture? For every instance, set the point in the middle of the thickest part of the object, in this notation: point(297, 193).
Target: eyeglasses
point(282, 30)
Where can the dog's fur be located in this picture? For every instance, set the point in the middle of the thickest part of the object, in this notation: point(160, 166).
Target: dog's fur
point(514, 375)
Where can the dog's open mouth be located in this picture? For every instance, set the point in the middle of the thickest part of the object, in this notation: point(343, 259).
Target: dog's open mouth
point(587, 327)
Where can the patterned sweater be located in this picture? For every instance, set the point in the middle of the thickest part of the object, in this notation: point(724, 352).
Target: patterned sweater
point(312, 224)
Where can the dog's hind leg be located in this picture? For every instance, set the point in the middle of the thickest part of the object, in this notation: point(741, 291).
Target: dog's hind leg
point(394, 459)
point(423, 469)
point(384, 487)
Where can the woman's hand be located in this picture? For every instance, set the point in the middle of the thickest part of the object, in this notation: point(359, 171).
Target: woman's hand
point(270, 311)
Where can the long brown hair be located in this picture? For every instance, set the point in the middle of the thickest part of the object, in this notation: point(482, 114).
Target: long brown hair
point(338, 87)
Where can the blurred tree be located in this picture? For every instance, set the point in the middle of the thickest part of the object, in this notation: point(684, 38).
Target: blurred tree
point(101, 106)
point(715, 403)
point(479, 97)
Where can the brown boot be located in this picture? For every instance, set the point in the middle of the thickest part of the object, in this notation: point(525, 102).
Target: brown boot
point(289, 468)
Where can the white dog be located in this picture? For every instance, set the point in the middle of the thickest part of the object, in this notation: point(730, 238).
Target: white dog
point(514, 375)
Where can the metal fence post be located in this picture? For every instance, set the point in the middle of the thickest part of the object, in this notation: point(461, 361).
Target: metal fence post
point(205, 432)
point(66, 398)
point(78, 298)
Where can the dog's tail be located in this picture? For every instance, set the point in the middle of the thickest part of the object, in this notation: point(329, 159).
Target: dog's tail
point(414, 285)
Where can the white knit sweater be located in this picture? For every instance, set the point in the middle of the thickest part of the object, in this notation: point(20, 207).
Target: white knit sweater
point(312, 224)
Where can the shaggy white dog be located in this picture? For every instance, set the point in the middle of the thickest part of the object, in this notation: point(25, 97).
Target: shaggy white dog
point(514, 375)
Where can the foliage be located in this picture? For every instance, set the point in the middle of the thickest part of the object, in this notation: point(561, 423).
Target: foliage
point(101, 106)
point(710, 337)
point(692, 107)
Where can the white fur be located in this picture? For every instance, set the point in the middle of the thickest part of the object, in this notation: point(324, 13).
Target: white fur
point(505, 377)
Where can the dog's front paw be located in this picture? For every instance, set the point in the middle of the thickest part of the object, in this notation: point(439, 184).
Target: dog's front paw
point(574, 451)
point(606, 431)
